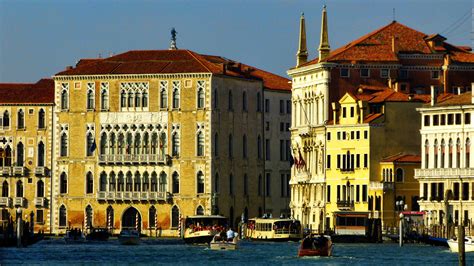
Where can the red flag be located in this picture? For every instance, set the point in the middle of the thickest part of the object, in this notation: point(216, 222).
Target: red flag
point(301, 162)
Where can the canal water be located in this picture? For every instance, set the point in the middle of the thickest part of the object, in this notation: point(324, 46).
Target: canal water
point(170, 251)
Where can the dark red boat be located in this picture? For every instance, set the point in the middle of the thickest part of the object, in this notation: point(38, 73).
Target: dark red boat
point(315, 246)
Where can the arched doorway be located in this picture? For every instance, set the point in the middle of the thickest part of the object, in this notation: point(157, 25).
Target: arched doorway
point(131, 219)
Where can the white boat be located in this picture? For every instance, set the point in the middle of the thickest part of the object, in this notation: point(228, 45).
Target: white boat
point(74, 236)
point(468, 244)
point(221, 244)
point(129, 237)
point(201, 229)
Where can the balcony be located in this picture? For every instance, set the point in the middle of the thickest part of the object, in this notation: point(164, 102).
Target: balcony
point(19, 170)
point(132, 159)
point(40, 171)
point(453, 173)
point(345, 205)
point(136, 195)
point(388, 186)
point(6, 171)
point(302, 176)
point(128, 196)
point(376, 185)
point(40, 202)
point(19, 201)
point(101, 195)
point(5, 202)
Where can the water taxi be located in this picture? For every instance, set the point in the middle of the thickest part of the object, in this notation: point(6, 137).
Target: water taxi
point(218, 243)
point(468, 244)
point(274, 229)
point(98, 234)
point(129, 237)
point(200, 229)
point(315, 246)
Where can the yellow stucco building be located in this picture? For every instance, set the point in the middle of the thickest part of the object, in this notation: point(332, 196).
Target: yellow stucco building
point(146, 137)
point(25, 151)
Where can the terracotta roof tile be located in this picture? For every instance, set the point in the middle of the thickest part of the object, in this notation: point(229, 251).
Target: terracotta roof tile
point(403, 158)
point(41, 92)
point(451, 99)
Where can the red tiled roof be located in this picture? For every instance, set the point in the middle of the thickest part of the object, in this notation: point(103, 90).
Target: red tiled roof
point(403, 158)
point(371, 117)
point(41, 92)
point(374, 94)
point(377, 46)
point(174, 61)
point(452, 99)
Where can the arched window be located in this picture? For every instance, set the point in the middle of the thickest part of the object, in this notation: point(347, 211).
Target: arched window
point(174, 217)
point(63, 145)
point(112, 143)
point(21, 119)
point(110, 217)
point(129, 182)
point(89, 183)
point(399, 173)
point(154, 143)
point(259, 102)
point(200, 182)
point(64, 100)
point(112, 181)
point(20, 154)
point(259, 147)
point(216, 100)
point(154, 182)
point(128, 145)
point(163, 95)
point(90, 144)
point(145, 99)
point(63, 183)
point(244, 101)
point(230, 102)
point(468, 153)
point(19, 189)
point(121, 143)
point(136, 146)
point(443, 153)
point(40, 189)
point(200, 210)
point(137, 99)
point(6, 120)
point(231, 184)
point(130, 99)
point(41, 119)
point(103, 182)
point(103, 144)
point(146, 181)
point(90, 99)
point(427, 154)
point(123, 99)
point(231, 146)
point(41, 154)
point(88, 219)
point(450, 154)
point(175, 144)
point(216, 183)
point(5, 190)
point(200, 144)
point(175, 98)
point(175, 182)
point(458, 153)
point(137, 182)
point(62, 216)
point(152, 219)
point(146, 142)
point(104, 100)
point(435, 153)
point(120, 182)
point(244, 146)
point(216, 144)
point(163, 143)
point(163, 182)
point(200, 98)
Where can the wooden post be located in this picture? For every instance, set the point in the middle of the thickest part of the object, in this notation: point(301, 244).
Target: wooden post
point(400, 237)
point(461, 253)
point(19, 228)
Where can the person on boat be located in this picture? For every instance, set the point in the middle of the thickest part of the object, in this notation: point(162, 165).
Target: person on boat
point(223, 235)
point(230, 234)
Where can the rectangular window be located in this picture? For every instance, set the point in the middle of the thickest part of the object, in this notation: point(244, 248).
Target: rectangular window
point(357, 160)
point(435, 120)
point(328, 198)
point(282, 107)
point(267, 149)
point(287, 127)
point(352, 135)
point(267, 105)
point(352, 111)
point(403, 73)
point(467, 118)
point(450, 119)
point(338, 163)
point(425, 191)
point(366, 134)
point(384, 73)
point(329, 135)
point(366, 160)
point(343, 112)
point(344, 73)
point(357, 134)
point(268, 185)
point(39, 217)
point(458, 119)
point(344, 135)
point(288, 107)
point(465, 191)
point(338, 192)
point(328, 162)
point(427, 120)
point(435, 74)
point(364, 73)
point(282, 150)
point(364, 193)
point(288, 151)
point(443, 120)
point(338, 135)
point(357, 193)
point(267, 125)
point(282, 127)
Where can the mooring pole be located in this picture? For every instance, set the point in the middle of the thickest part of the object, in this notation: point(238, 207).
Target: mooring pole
point(19, 227)
point(461, 251)
point(400, 237)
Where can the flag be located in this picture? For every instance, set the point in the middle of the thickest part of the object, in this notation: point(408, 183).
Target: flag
point(93, 146)
point(301, 162)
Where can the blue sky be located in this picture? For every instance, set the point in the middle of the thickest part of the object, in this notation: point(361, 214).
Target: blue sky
point(40, 38)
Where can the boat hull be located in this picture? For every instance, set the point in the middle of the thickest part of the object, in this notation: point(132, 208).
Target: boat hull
point(454, 247)
point(203, 239)
point(129, 240)
point(223, 246)
point(324, 250)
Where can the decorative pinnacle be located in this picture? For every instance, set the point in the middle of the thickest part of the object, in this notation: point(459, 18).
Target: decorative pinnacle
point(173, 39)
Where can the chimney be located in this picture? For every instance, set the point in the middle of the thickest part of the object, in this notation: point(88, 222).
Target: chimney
point(433, 95)
point(394, 44)
point(361, 111)
point(472, 92)
point(334, 112)
point(69, 67)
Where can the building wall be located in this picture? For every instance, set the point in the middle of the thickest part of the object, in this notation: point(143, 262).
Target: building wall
point(29, 174)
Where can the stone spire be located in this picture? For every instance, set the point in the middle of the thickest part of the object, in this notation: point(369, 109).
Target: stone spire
point(302, 55)
point(173, 40)
point(324, 48)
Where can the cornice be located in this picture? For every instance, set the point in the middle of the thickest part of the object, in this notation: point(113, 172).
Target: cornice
point(131, 76)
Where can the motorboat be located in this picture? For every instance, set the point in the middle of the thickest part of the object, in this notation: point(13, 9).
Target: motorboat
point(218, 243)
point(74, 236)
point(316, 246)
point(129, 237)
point(201, 229)
point(468, 244)
point(98, 234)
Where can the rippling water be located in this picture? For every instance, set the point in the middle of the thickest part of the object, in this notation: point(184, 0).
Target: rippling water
point(168, 251)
